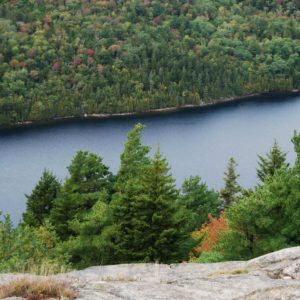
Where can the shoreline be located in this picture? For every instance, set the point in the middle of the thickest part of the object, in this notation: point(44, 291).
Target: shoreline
point(156, 111)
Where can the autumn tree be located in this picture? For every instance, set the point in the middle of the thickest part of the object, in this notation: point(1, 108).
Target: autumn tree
point(209, 234)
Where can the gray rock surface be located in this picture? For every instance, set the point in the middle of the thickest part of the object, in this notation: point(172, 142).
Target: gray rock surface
point(272, 276)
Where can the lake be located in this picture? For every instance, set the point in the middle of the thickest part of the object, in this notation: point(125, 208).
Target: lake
point(195, 142)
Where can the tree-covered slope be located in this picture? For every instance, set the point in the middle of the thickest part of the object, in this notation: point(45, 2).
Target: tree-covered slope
point(61, 58)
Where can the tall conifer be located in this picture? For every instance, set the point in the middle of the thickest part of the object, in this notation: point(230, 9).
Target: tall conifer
point(231, 188)
point(40, 201)
point(89, 177)
point(273, 161)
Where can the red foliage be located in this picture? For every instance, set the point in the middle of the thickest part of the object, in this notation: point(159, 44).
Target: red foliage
point(210, 233)
point(56, 66)
point(90, 52)
point(22, 64)
point(156, 20)
point(77, 61)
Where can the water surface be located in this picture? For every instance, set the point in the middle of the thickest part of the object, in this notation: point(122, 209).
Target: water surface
point(196, 142)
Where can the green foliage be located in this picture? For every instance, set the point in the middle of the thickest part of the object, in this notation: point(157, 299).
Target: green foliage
point(266, 219)
point(92, 244)
point(164, 232)
point(89, 178)
point(273, 161)
point(210, 257)
point(134, 158)
point(144, 211)
point(71, 58)
point(23, 249)
point(129, 191)
point(199, 200)
point(96, 218)
point(40, 202)
point(231, 188)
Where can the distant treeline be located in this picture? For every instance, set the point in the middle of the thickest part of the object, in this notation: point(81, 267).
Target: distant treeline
point(70, 58)
point(95, 217)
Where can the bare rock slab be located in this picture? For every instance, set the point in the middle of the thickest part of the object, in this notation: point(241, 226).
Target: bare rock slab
point(272, 276)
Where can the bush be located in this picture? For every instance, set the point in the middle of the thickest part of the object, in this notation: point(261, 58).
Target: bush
point(210, 257)
point(24, 249)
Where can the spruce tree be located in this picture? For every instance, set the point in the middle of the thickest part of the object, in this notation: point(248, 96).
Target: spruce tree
point(166, 234)
point(231, 188)
point(40, 201)
point(273, 161)
point(89, 177)
point(150, 227)
point(129, 190)
point(134, 157)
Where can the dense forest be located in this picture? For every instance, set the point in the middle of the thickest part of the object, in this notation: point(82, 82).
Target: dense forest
point(76, 57)
point(95, 217)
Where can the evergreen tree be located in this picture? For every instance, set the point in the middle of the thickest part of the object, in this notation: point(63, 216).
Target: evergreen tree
point(296, 142)
point(268, 218)
point(273, 161)
point(129, 190)
point(231, 188)
point(201, 201)
point(166, 235)
point(153, 229)
point(91, 245)
point(89, 177)
point(40, 201)
point(134, 157)
point(262, 221)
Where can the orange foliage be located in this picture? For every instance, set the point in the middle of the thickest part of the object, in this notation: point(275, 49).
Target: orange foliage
point(113, 48)
point(210, 233)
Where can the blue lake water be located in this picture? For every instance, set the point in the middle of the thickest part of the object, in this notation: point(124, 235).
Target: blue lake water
point(195, 142)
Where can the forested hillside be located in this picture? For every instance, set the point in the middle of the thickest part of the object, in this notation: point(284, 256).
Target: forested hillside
point(70, 58)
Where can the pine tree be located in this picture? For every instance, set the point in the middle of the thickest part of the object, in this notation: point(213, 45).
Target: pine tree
point(231, 188)
point(273, 161)
point(89, 177)
point(40, 201)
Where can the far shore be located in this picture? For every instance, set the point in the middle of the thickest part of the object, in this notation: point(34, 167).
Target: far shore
point(156, 111)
